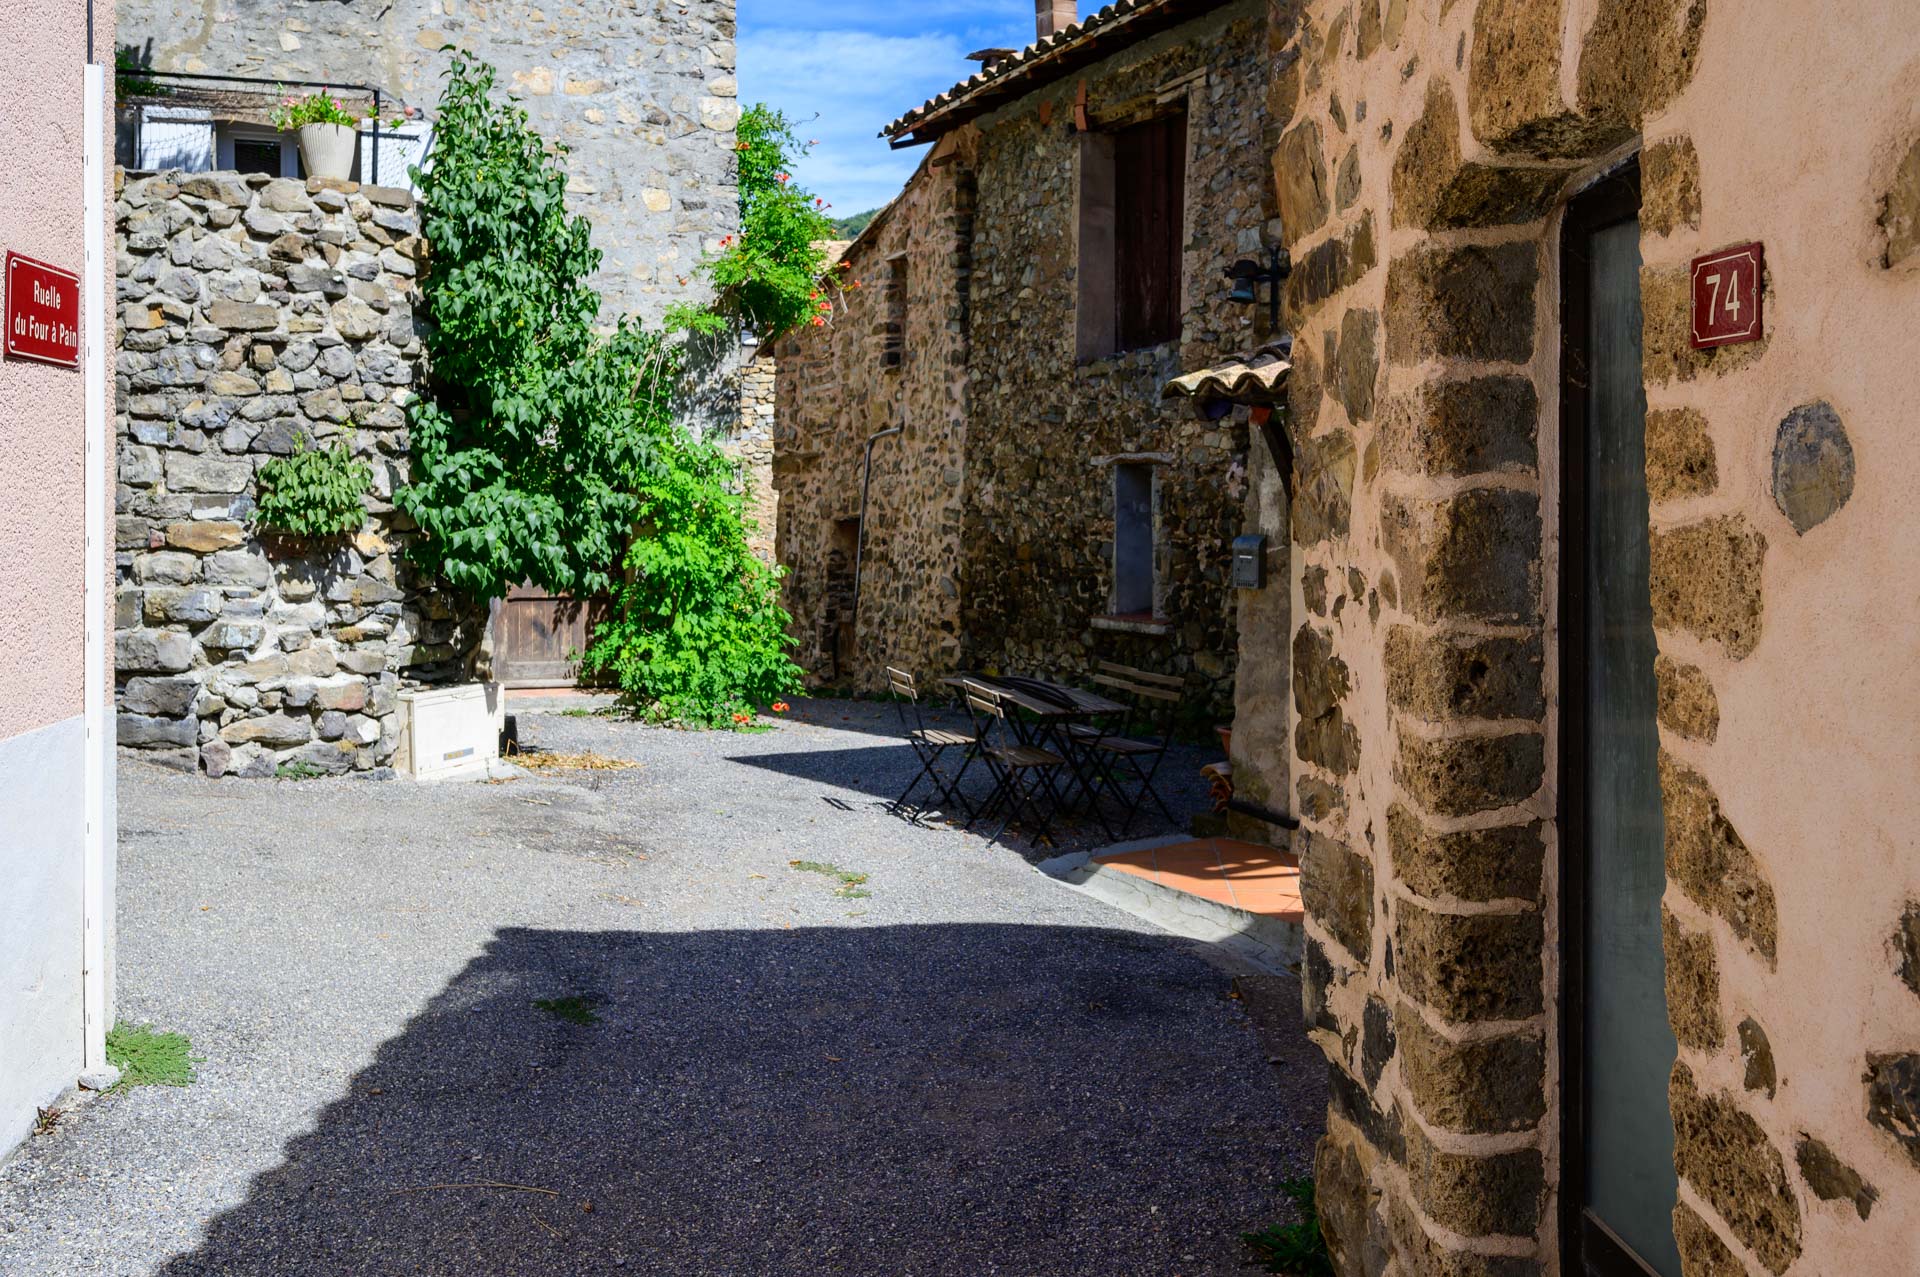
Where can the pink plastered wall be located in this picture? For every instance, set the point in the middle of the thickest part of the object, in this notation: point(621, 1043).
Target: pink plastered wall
point(1800, 112)
point(42, 479)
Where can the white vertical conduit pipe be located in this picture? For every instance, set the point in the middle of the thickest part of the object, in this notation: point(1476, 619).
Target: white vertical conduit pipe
point(95, 903)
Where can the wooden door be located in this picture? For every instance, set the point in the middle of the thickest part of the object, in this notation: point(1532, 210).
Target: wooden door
point(538, 637)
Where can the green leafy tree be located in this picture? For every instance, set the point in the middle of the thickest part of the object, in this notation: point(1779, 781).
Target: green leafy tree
point(313, 492)
point(697, 634)
point(774, 275)
point(526, 454)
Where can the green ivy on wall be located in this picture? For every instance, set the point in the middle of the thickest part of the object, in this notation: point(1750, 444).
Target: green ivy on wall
point(313, 492)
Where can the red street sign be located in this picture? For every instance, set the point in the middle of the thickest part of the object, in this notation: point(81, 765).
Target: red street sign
point(1726, 297)
point(43, 312)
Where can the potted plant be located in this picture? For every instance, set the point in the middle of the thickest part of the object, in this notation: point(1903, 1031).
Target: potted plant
point(328, 132)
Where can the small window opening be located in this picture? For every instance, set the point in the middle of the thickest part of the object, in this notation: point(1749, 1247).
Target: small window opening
point(1133, 539)
point(893, 334)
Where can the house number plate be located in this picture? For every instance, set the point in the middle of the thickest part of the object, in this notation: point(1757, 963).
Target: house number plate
point(1726, 297)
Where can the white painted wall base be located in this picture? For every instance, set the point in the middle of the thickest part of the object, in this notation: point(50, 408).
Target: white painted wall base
point(42, 799)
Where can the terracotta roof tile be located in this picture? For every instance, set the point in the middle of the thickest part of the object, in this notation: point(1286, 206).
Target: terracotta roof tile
point(1254, 377)
point(1027, 69)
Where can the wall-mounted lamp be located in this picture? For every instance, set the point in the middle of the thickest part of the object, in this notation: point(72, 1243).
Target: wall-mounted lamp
point(1248, 274)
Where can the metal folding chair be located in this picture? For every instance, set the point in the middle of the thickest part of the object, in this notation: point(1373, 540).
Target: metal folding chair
point(1133, 753)
point(929, 742)
point(1022, 773)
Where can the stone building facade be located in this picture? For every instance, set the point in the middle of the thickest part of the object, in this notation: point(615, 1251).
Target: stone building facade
point(258, 314)
point(1042, 508)
point(643, 94)
point(1427, 159)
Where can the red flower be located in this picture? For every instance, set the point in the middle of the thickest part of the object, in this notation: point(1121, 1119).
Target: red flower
point(743, 718)
point(781, 707)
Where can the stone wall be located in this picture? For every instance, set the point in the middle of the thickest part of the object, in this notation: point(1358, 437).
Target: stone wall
point(643, 92)
point(894, 354)
point(989, 537)
point(1425, 153)
point(1044, 428)
point(750, 442)
point(255, 314)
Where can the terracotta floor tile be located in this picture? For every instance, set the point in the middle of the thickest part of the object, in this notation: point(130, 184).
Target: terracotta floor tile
point(1264, 880)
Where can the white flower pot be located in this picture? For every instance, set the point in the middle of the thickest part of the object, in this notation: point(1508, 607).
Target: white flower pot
point(327, 149)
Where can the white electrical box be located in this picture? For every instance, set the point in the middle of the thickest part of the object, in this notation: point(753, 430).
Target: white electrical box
point(447, 733)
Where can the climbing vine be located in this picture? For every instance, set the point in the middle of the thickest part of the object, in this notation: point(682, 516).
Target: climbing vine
point(774, 275)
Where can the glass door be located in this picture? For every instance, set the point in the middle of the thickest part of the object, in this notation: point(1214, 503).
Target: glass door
point(1619, 1176)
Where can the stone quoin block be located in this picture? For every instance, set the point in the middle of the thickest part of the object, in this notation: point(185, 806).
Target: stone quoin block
point(1467, 302)
point(1433, 188)
point(1316, 978)
point(1705, 579)
point(1721, 1151)
point(1686, 703)
point(1670, 186)
point(1322, 735)
point(1482, 1086)
point(1906, 946)
point(1300, 180)
point(1513, 84)
point(1438, 674)
point(1900, 209)
point(1419, 1252)
point(1467, 967)
point(1680, 456)
point(1383, 1129)
point(1478, 425)
point(1378, 1041)
point(1707, 858)
point(1756, 1054)
point(1324, 469)
point(1344, 1199)
point(1831, 1179)
point(1335, 263)
point(1474, 555)
point(1462, 775)
point(1702, 1253)
point(1353, 375)
point(1639, 55)
point(1502, 863)
point(1693, 985)
point(1893, 1098)
point(1336, 888)
point(1476, 1195)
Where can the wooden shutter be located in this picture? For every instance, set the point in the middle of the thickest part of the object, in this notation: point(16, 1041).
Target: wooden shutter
point(1150, 177)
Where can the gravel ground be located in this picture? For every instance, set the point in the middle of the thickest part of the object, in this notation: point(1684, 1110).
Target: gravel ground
point(972, 1069)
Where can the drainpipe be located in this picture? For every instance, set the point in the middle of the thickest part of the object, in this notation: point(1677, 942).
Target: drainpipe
point(97, 834)
point(860, 542)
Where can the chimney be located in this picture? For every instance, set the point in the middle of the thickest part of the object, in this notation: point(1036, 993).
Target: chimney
point(1051, 16)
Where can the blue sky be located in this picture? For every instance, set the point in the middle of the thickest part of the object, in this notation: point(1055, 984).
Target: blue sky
point(842, 68)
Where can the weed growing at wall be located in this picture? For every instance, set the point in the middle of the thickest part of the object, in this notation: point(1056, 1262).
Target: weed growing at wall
point(314, 492)
point(773, 276)
point(527, 452)
point(147, 1057)
point(697, 633)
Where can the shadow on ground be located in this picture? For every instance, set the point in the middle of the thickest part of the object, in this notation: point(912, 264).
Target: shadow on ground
point(831, 1100)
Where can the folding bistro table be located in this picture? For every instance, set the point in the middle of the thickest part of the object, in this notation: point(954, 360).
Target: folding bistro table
point(1048, 709)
